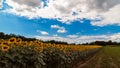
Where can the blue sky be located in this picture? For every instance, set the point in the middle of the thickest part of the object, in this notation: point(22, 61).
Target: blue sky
point(37, 19)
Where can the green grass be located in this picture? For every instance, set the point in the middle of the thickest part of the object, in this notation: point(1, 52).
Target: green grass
point(112, 51)
point(107, 57)
point(114, 54)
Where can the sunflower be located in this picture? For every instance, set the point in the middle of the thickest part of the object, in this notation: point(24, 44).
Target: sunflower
point(36, 49)
point(1, 43)
point(25, 43)
point(30, 43)
point(1, 40)
point(40, 43)
point(4, 43)
point(18, 41)
point(41, 49)
point(12, 40)
point(5, 48)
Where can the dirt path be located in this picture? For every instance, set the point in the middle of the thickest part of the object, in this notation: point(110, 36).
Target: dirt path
point(102, 59)
point(113, 63)
point(99, 62)
point(91, 62)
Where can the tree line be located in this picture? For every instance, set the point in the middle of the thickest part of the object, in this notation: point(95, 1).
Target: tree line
point(8, 36)
point(102, 43)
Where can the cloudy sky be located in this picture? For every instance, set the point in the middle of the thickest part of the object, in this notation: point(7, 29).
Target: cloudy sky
point(72, 21)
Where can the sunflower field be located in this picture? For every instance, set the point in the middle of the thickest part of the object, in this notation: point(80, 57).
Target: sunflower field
point(15, 53)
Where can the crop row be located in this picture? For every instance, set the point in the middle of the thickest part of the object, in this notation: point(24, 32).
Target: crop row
point(15, 53)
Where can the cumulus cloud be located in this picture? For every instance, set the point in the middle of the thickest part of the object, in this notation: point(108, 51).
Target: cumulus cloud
point(115, 37)
point(60, 29)
point(72, 36)
point(57, 38)
point(43, 32)
point(82, 39)
point(99, 11)
point(102, 5)
point(109, 18)
point(56, 26)
point(29, 3)
point(0, 3)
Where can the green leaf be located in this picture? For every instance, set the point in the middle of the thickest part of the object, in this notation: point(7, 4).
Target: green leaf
point(41, 61)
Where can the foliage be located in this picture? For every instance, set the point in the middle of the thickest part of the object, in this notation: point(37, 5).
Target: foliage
point(15, 53)
point(103, 43)
point(8, 36)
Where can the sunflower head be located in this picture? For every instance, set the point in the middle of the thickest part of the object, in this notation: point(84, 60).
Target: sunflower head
point(12, 40)
point(3, 43)
point(1, 40)
point(19, 41)
point(36, 49)
point(5, 48)
point(30, 43)
point(25, 43)
point(41, 49)
point(40, 43)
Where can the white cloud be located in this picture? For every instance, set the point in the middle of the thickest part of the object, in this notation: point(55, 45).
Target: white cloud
point(43, 32)
point(29, 3)
point(55, 26)
point(83, 39)
point(0, 3)
point(110, 18)
point(115, 37)
point(63, 10)
point(60, 29)
point(46, 38)
point(72, 36)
